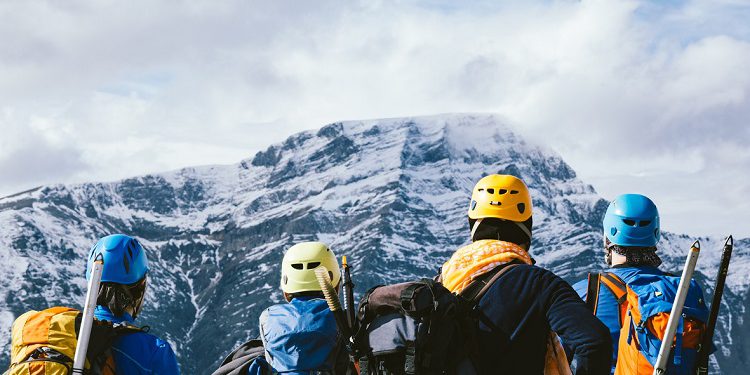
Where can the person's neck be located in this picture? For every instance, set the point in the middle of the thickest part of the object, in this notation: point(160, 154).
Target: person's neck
point(618, 260)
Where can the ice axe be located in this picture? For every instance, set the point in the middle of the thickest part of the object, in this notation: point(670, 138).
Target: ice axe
point(348, 293)
point(334, 304)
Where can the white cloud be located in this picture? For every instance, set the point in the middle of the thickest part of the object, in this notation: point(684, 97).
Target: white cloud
point(637, 96)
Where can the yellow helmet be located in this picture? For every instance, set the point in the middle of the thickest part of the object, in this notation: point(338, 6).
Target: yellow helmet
point(300, 262)
point(500, 196)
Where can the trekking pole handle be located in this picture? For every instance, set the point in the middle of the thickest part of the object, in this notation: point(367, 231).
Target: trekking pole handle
point(676, 313)
point(84, 334)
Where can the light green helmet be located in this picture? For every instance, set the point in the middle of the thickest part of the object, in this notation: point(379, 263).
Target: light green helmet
point(300, 262)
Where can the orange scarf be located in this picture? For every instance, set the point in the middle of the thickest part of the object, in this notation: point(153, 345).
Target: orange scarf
point(473, 260)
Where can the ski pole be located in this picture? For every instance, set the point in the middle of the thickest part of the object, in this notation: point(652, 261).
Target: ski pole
point(79, 359)
point(676, 313)
point(348, 289)
point(704, 350)
point(329, 292)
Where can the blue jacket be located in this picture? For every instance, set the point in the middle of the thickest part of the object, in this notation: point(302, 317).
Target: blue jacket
point(607, 309)
point(523, 305)
point(139, 353)
point(300, 336)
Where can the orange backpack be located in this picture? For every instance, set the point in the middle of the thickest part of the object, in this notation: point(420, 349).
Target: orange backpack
point(647, 305)
point(44, 343)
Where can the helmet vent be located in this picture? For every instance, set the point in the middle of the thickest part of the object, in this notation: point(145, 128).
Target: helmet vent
point(644, 223)
point(502, 191)
point(629, 222)
point(521, 207)
point(298, 266)
point(491, 191)
point(312, 265)
point(480, 189)
point(514, 191)
point(126, 264)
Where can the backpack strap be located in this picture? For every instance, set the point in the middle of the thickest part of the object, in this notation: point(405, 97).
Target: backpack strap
point(619, 289)
point(479, 287)
point(410, 358)
point(364, 367)
point(476, 290)
point(592, 291)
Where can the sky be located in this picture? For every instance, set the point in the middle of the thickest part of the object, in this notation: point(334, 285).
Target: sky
point(644, 97)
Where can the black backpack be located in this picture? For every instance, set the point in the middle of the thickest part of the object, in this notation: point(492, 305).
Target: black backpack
point(422, 328)
point(239, 360)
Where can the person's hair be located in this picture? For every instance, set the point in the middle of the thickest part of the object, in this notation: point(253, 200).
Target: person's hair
point(503, 230)
point(119, 297)
point(312, 293)
point(634, 255)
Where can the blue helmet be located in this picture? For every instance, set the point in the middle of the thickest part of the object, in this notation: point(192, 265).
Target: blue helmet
point(632, 220)
point(125, 260)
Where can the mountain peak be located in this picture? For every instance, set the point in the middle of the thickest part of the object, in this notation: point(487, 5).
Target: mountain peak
point(391, 194)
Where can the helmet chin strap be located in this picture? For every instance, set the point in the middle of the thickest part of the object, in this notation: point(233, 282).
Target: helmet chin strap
point(474, 228)
point(524, 230)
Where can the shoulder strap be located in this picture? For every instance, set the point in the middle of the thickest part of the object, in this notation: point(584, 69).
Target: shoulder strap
point(619, 289)
point(476, 290)
point(615, 285)
point(592, 291)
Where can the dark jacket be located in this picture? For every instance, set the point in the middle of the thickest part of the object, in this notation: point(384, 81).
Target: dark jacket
point(523, 305)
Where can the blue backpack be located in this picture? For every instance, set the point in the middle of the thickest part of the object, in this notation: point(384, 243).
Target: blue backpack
point(649, 300)
point(299, 337)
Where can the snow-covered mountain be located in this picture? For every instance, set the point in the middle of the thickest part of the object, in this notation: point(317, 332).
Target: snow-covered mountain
point(391, 194)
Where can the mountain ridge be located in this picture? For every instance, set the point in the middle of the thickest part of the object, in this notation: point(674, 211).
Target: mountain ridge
point(391, 194)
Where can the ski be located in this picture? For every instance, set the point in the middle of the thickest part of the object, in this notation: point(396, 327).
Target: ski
point(704, 350)
point(79, 359)
point(674, 316)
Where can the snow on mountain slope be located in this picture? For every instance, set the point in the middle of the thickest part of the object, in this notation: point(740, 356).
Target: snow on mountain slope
point(391, 194)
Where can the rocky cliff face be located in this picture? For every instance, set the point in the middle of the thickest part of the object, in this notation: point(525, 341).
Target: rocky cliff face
point(391, 194)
